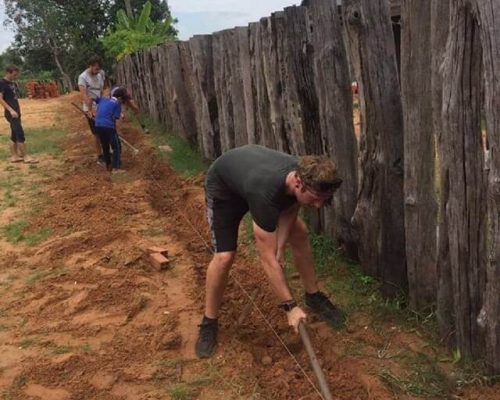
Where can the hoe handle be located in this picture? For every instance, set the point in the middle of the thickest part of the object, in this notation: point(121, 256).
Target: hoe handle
point(325, 390)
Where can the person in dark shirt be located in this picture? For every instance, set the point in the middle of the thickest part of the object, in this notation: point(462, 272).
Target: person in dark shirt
point(272, 186)
point(109, 110)
point(12, 112)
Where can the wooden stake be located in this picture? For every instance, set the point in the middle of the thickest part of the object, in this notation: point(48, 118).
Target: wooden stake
point(323, 385)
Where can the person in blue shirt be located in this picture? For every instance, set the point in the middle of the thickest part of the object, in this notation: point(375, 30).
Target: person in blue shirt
point(109, 109)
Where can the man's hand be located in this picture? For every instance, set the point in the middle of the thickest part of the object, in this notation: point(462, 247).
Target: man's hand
point(295, 316)
point(14, 113)
point(90, 115)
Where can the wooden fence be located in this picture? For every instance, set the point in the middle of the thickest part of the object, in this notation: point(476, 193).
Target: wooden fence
point(284, 82)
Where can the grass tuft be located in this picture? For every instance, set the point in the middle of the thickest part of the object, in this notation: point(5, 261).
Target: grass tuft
point(183, 158)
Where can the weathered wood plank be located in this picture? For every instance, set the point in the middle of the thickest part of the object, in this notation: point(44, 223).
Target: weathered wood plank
point(379, 217)
point(333, 88)
point(488, 12)
point(205, 100)
point(420, 199)
point(462, 155)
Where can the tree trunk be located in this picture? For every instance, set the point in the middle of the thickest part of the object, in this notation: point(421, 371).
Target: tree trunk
point(378, 221)
point(462, 169)
point(440, 23)
point(128, 9)
point(420, 200)
point(488, 12)
point(67, 84)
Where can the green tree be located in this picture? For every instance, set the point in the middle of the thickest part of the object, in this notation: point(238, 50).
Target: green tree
point(67, 30)
point(133, 33)
point(160, 10)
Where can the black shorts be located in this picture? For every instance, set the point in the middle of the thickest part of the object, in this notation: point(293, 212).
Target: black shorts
point(224, 217)
point(16, 129)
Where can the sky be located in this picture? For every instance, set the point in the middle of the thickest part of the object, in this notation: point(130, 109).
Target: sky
point(197, 16)
point(6, 35)
point(207, 16)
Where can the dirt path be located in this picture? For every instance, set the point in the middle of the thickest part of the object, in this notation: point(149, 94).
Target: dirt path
point(83, 316)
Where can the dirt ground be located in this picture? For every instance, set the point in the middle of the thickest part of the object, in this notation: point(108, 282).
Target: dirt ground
point(84, 316)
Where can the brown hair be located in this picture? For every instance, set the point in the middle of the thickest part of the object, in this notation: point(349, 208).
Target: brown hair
point(317, 170)
point(11, 68)
point(95, 60)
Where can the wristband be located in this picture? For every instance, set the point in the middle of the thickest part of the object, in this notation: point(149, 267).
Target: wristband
point(288, 306)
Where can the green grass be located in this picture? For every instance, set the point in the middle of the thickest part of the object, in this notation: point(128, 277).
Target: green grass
point(14, 233)
point(56, 349)
point(40, 275)
point(44, 141)
point(184, 159)
point(180, 391)
point(26, 343)
point(38, 237)
point(153, 231)
point(38, 141)
point(189, 390)
point(86, 348)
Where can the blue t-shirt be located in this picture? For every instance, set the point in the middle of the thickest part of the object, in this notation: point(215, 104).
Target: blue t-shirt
point(109, 109)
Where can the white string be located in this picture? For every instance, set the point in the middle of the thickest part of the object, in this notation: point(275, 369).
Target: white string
point(204, 241)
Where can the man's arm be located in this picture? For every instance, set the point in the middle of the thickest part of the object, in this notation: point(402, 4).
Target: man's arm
point(266, 245)
point(285, 224)
point(86, 99)
point(8, 108)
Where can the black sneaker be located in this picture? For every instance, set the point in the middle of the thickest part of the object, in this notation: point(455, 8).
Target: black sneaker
point(327, 311)
point(207, 339)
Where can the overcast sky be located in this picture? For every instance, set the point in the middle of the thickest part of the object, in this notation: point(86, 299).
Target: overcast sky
point(207, 16)
point(198, 16)
point(6, 35)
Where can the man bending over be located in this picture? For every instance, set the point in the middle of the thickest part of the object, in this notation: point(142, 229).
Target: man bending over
point(272, 186)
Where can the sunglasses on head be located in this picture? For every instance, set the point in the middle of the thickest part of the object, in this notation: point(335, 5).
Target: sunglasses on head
point(324, 188)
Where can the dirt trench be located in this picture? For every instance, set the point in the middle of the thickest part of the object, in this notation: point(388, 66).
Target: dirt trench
point(84, 316)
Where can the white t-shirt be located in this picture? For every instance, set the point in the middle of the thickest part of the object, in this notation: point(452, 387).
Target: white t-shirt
point(93, 83)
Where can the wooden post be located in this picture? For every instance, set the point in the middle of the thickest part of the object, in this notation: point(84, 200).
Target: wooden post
point(464, 191)
point(488, 12)
point(420, 198)
point(333, 89)
point(378, 221)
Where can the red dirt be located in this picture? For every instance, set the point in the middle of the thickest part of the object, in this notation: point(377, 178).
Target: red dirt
point(105, 325)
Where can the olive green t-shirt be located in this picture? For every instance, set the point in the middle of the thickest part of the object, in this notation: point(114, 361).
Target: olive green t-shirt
point(255, 175)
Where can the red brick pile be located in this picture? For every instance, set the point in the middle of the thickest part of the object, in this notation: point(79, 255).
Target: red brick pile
point(42, 90)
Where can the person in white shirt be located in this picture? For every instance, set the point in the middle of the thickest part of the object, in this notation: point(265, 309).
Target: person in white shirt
point(91, 85)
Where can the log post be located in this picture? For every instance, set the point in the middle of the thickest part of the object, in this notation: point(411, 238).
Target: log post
point(378, 221)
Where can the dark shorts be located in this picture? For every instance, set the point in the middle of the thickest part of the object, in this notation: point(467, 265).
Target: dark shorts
point(16, 129)
point(224, 217)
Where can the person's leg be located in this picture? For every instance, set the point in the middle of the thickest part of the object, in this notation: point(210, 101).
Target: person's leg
point(104, 138)
point(217, 273)
point(116, 146)
point(97, 140)
point(12, 143)
point(20, 141)
point(302, 256)
point(224, 219)
point(13, 152)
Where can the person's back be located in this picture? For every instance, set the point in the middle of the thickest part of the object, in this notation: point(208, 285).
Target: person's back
point(108, 111)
